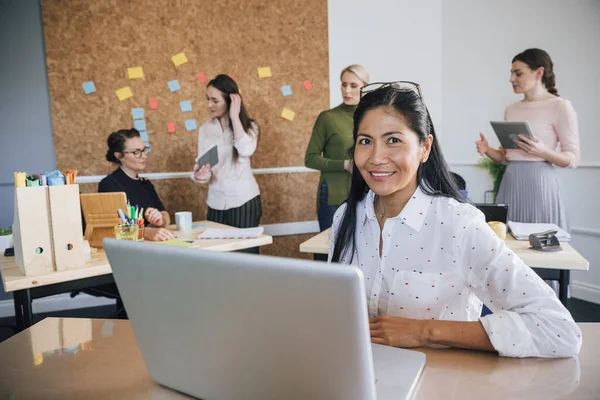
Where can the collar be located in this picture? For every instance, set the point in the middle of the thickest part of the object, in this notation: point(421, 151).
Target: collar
point(413, 214)
point(124, 174)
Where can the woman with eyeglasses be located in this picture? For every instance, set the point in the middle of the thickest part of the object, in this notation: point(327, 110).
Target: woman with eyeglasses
point(127, 150)
point(530, 184)
point(327, 149)
point(428, 258)
point(233, 193)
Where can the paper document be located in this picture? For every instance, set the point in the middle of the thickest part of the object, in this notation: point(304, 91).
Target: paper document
point(522, 230)
point(228, 233)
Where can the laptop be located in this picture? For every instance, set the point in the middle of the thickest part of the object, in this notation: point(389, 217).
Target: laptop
point(493, 212)
point(240, 326)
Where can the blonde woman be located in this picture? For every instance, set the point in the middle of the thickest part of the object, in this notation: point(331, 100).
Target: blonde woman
point(329, 144)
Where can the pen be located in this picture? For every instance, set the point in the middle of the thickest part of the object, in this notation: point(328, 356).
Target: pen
point(122, 216)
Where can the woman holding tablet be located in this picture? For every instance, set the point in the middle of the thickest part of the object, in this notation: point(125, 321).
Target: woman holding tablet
point(530, 184)
point(233, 194)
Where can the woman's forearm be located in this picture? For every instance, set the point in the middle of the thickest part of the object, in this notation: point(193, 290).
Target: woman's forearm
point(557, 158)
point(465, 335)
point(496, 155)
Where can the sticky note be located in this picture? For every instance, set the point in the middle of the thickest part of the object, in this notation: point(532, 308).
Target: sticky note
point(179, 59)
point(171, 127)
point(232, 77)
point(135, 73)
point(190, 124)
point(124, 93)
point(186, 106)
point(202, 77)
point(174, 85)
point(144, 136)
point(88, 87)
point(286, 90)
point(153, 103)
point(288, 114)
point(307, 85)
point(264, 72)
point(137, 113)
point(139, 124)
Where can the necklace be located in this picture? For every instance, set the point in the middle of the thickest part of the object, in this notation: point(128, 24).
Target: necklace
point(380, 213)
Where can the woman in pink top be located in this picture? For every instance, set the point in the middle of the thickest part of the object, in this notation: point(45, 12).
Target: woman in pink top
point(530, 184)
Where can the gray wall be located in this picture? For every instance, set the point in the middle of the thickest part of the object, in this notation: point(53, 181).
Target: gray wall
point(26, 141)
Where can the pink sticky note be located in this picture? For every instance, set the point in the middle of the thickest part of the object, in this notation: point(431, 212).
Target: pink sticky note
point(201, 77)
point(171, 127)
point(153, 103)
point(232, 77)
point(307, 85)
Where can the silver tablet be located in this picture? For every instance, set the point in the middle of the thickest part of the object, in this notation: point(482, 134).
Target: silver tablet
point(210, 157)
point(507, 131)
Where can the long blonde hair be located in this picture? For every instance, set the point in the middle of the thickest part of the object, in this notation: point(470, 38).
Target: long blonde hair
point(358, 70)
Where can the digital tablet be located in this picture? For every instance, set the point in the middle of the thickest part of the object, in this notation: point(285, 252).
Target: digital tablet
point(210, 157)
point(507, 131)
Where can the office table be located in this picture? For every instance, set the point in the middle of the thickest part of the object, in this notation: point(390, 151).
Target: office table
point(64, 358)
point(96, 272)
point(543, 262)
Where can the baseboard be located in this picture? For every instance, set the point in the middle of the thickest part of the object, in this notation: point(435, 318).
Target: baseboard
point(292, 228)
point(585, 291)
point(57, 303)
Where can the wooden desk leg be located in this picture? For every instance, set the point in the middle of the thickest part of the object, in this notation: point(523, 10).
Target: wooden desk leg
point(23, 310)
point(563, 286)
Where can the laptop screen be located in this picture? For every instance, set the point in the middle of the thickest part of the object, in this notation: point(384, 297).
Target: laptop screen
point(493, 212)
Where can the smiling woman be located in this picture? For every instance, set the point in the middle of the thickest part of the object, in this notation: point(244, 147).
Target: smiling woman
point(429, 259)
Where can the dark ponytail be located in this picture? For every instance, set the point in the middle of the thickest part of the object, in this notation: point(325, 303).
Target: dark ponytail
point(116, 143)
point(433, 176)
point(536, 58)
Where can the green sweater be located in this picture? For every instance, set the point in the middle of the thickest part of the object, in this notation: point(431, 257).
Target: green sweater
point(329, 146)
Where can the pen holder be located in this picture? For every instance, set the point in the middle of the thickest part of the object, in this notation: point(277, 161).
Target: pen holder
point(66, 227)
point(32, 232)
point(127, 232)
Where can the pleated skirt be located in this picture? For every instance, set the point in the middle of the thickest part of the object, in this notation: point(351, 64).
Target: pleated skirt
point(532, 191)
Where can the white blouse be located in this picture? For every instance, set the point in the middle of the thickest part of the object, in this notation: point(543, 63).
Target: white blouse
point(440, 260)
point(231, 184)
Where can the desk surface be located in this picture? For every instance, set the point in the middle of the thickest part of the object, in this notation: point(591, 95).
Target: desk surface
point(99, 359)
point(13, 279)
point(569, 258)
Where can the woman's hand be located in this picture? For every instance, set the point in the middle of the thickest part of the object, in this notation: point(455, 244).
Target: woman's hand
point(398, 332)
point(482, 145)
point(534, 146)
point(202, 174)
point(154, 216)
point(157, 234)
point(236, 105)
point(348, 165)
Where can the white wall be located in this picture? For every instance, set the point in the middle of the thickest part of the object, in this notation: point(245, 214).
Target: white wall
point(460, 53)
point(393, 39)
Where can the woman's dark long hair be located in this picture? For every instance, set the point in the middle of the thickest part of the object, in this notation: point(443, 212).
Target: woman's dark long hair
point(227, 86)
point(433, 176)
point(536, 58)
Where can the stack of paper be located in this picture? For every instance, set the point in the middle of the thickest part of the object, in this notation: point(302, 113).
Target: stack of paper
point(228, 233)
point(521, 230)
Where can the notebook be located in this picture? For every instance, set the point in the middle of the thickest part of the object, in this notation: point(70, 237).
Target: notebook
point(522, 230)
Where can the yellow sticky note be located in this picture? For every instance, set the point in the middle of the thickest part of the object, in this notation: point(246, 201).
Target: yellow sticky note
point(124, 93)
point(288, 114)
point(135, 73)
point(179, 59)
point(264, 72)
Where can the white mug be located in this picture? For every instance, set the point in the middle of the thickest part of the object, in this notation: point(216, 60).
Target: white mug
point(183, 220)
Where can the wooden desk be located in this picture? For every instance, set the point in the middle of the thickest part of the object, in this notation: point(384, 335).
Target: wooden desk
point(96, 272)
point(110, 365)
point(564, 262)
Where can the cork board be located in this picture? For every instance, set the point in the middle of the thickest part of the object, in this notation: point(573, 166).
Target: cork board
point(99, 41)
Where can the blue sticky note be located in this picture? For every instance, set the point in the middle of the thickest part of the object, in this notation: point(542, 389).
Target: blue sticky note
point(144, 136)
point(139, 124)
point(89, 87)
point(190, 124)
point(186, 106)
point(286, 90)
point(174, 85)
point(137, 113)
